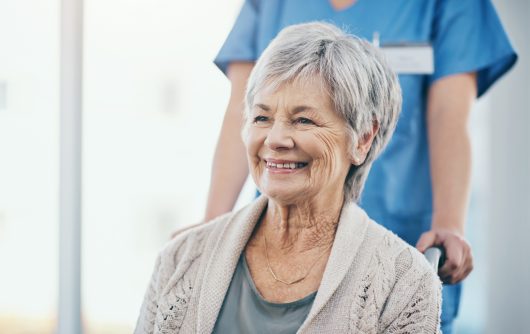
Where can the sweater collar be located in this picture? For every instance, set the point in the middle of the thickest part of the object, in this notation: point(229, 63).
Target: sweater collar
point(350, 234)
point(220, 268)
point(233, 239)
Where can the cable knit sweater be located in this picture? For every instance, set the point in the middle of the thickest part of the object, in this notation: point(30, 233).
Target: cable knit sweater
point(373, 282)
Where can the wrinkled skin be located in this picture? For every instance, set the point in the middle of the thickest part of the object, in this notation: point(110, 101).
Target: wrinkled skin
point(297, 123)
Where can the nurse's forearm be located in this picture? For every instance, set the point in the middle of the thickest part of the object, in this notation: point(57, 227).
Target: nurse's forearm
point(450, 102)
point(230, 167)
point(229, 170)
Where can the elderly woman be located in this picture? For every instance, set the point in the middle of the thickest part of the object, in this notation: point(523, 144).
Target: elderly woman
point(303, 257)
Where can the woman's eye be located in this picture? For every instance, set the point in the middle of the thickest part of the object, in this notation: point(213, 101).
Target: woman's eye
point(259, 119)
point(303, 120)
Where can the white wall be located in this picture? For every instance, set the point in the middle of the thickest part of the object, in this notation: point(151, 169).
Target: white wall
point(509, 224)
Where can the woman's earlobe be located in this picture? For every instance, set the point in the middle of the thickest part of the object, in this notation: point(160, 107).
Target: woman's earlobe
point(365, 144)
point(357, 158)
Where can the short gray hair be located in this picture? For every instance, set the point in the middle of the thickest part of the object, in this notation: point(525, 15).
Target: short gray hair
point(362, 87)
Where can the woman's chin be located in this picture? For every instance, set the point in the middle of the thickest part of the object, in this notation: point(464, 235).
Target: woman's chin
point(285, 196)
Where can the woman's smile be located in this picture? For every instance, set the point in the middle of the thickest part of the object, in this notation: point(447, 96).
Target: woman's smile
point(279, 166)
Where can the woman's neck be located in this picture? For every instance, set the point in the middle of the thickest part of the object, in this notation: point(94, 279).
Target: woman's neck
point(301, 227)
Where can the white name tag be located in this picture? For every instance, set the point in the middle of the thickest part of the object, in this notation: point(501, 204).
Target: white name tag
point(409, 58)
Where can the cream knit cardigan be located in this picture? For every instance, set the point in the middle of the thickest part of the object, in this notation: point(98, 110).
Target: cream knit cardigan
point(373, 282)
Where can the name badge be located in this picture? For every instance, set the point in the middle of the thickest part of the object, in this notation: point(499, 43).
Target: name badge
point(409, 58)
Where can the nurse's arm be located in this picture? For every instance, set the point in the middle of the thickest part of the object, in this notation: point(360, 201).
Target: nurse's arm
point(230, 167)
point(449, 104)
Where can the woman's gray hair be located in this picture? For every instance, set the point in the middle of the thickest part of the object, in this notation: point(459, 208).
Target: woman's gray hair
point(362, 87)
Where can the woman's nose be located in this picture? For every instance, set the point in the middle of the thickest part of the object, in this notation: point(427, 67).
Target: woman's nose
point(279, 137)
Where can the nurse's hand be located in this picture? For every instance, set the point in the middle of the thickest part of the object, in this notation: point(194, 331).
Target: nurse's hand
point(459, 260)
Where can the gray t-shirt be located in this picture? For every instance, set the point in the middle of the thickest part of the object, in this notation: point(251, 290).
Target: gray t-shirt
point(245, 311)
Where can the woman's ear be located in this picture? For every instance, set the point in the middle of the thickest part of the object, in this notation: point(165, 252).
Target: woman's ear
point(364, 144)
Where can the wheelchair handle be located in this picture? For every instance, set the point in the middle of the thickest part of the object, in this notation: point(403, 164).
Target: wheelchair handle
point(436, 256)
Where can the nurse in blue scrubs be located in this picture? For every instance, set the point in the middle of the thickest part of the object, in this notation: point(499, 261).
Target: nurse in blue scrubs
point(449, 53)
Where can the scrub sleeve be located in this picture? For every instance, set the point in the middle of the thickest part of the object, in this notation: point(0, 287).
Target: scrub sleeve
point(469, 37)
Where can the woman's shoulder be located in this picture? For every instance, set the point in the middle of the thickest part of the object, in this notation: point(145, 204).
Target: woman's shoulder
point(404, 256)
point(389, 279)
point(192, 242)
point(382, 247)
point(181, 256)
point(404, 275)
point(192, 237)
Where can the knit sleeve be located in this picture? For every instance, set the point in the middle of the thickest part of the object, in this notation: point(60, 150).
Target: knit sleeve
point(146, 320)
point(422, 311)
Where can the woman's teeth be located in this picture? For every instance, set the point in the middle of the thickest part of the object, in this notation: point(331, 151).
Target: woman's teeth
point(291, 165)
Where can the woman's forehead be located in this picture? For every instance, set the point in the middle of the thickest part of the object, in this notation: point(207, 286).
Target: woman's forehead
point(310, 92)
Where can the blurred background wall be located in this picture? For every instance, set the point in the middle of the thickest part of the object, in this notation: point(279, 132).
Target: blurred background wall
point(153, 106)
point(508, 277)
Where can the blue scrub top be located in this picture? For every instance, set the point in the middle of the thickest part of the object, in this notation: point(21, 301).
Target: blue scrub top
point(466, 36)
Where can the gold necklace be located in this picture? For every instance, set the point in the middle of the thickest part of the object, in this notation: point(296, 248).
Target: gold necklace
point(279, 279)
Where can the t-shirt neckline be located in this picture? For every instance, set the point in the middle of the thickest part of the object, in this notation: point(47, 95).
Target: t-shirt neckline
point(248, 277)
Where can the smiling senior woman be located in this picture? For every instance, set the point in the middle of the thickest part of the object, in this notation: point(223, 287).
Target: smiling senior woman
point(303, 257)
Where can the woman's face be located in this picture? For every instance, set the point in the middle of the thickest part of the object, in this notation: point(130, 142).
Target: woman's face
point(297, 145)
